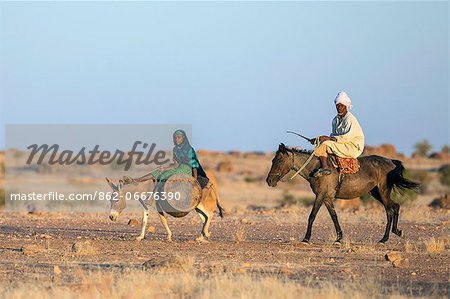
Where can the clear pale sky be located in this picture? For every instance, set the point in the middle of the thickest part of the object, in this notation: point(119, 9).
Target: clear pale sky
point(242, 73)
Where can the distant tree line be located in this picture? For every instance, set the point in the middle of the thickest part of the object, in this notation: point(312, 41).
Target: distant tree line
point(423, 148)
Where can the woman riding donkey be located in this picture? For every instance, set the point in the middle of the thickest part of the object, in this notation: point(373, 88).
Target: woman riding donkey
point(346, 139)
point(185, 161)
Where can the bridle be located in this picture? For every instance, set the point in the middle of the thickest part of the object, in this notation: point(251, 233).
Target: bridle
point(278, 175)
point(292, 166)
point(316, 145)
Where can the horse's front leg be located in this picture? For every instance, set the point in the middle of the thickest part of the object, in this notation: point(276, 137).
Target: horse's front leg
point(144, 225)
point(317, 204)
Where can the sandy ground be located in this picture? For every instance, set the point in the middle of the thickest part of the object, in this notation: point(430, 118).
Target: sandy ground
point(265, 241)
point(256, 238)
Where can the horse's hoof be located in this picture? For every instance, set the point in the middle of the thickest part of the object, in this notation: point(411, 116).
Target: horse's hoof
point(169, 240)
point(139, 238)
point(306, 242)
point(382, 242)
point(337, 242)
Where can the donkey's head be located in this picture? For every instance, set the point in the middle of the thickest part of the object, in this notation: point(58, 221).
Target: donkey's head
point(281, 165)
point(117, 200)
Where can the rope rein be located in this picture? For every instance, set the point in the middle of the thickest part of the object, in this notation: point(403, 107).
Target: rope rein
point(316, 144)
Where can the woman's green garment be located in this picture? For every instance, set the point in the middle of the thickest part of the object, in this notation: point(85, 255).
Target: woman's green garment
point(163, 175)
point(184, 155)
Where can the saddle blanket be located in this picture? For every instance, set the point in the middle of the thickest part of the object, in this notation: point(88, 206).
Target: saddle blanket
point(347, 165)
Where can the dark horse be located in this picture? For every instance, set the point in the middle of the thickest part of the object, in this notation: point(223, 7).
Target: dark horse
point(377, 176)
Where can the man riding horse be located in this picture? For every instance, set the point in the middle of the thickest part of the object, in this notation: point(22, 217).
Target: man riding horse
point(346, 139)
point(373, 174)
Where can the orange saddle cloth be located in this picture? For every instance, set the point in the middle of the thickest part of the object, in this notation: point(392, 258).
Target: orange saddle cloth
point(347, 165)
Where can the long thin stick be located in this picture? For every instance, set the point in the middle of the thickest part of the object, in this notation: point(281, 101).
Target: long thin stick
point(308, 139)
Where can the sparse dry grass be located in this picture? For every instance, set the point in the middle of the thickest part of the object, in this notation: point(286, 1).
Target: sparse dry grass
point(410, 247)
point(434, 245)
point(239, 235)
point(174, 263)
point(84, 248)
point(186, 284)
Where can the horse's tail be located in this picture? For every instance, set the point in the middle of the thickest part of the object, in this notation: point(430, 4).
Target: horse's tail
point(395, 179)
point(221, 210)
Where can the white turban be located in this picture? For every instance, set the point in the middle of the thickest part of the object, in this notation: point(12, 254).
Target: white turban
point(343, 98)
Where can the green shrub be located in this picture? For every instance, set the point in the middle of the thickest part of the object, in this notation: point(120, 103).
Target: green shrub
point(422, 148)
point(115, 165)
point(444, 172)
point(403, 196)
point(2, 197)
point(419, 176)
point(249, 179)
point(2, 191)
point(290, 200)
point(400, 197)
point(366, 198)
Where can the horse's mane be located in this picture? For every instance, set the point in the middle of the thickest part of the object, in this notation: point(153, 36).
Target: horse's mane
point(298, 150)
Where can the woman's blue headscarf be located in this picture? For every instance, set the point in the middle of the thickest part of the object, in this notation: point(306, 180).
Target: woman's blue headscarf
point(185, 154)
point(182, 151)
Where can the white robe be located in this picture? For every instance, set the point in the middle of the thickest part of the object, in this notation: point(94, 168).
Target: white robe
point(349, 136)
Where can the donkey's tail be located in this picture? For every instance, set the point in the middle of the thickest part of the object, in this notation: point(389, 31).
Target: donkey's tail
point(221, 210)
point(395, 179)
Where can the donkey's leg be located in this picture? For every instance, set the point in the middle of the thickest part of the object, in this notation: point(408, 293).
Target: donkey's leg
point(330, 207)
point(208, 204)
point(205, 220)
point(395, 229)
point(385, 200)
point(164, 222)
point(317, 204)
point(207, 224)
point(144, 225)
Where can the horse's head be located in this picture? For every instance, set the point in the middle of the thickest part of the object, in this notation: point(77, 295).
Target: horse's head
point(117, 200)
point(281, 165)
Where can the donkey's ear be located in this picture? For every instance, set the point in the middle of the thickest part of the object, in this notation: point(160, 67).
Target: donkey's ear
point(110, 183)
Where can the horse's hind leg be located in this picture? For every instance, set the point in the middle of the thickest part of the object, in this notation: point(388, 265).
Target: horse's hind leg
point(330, 207)
point(394, 209)
point(395, 229)
point(387, 203)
